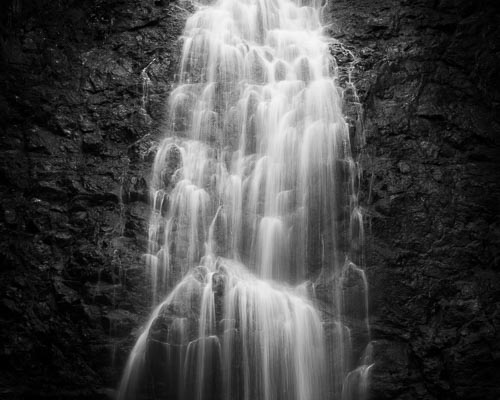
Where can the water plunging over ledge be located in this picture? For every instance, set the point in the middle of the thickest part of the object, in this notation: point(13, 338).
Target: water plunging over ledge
point(254, 210)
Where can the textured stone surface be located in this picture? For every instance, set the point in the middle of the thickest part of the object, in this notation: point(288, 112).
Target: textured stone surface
point(428, 79)
point(77, 140)
point(78, 137)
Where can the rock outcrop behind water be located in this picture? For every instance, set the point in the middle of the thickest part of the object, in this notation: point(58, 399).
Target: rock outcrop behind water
point(83, 87)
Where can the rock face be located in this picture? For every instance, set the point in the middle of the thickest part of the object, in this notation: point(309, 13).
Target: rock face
point(427, 75)
point(82, 93)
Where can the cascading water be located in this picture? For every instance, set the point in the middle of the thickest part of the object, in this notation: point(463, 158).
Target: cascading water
point(255, 212)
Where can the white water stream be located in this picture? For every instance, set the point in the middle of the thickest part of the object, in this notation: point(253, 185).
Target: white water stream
point(254, 195)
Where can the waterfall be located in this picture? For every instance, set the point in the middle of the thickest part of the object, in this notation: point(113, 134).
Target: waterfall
point(255, 232)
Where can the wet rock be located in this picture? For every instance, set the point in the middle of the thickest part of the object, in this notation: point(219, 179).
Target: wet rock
point(135, 188)
point(119, 323)
point(172, 164)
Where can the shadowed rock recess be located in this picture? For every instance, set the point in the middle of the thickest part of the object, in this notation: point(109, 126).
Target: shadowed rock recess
point(83, 89)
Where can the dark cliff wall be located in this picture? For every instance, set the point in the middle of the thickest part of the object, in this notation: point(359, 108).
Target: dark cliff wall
point(428, 76)
point(76, 150)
